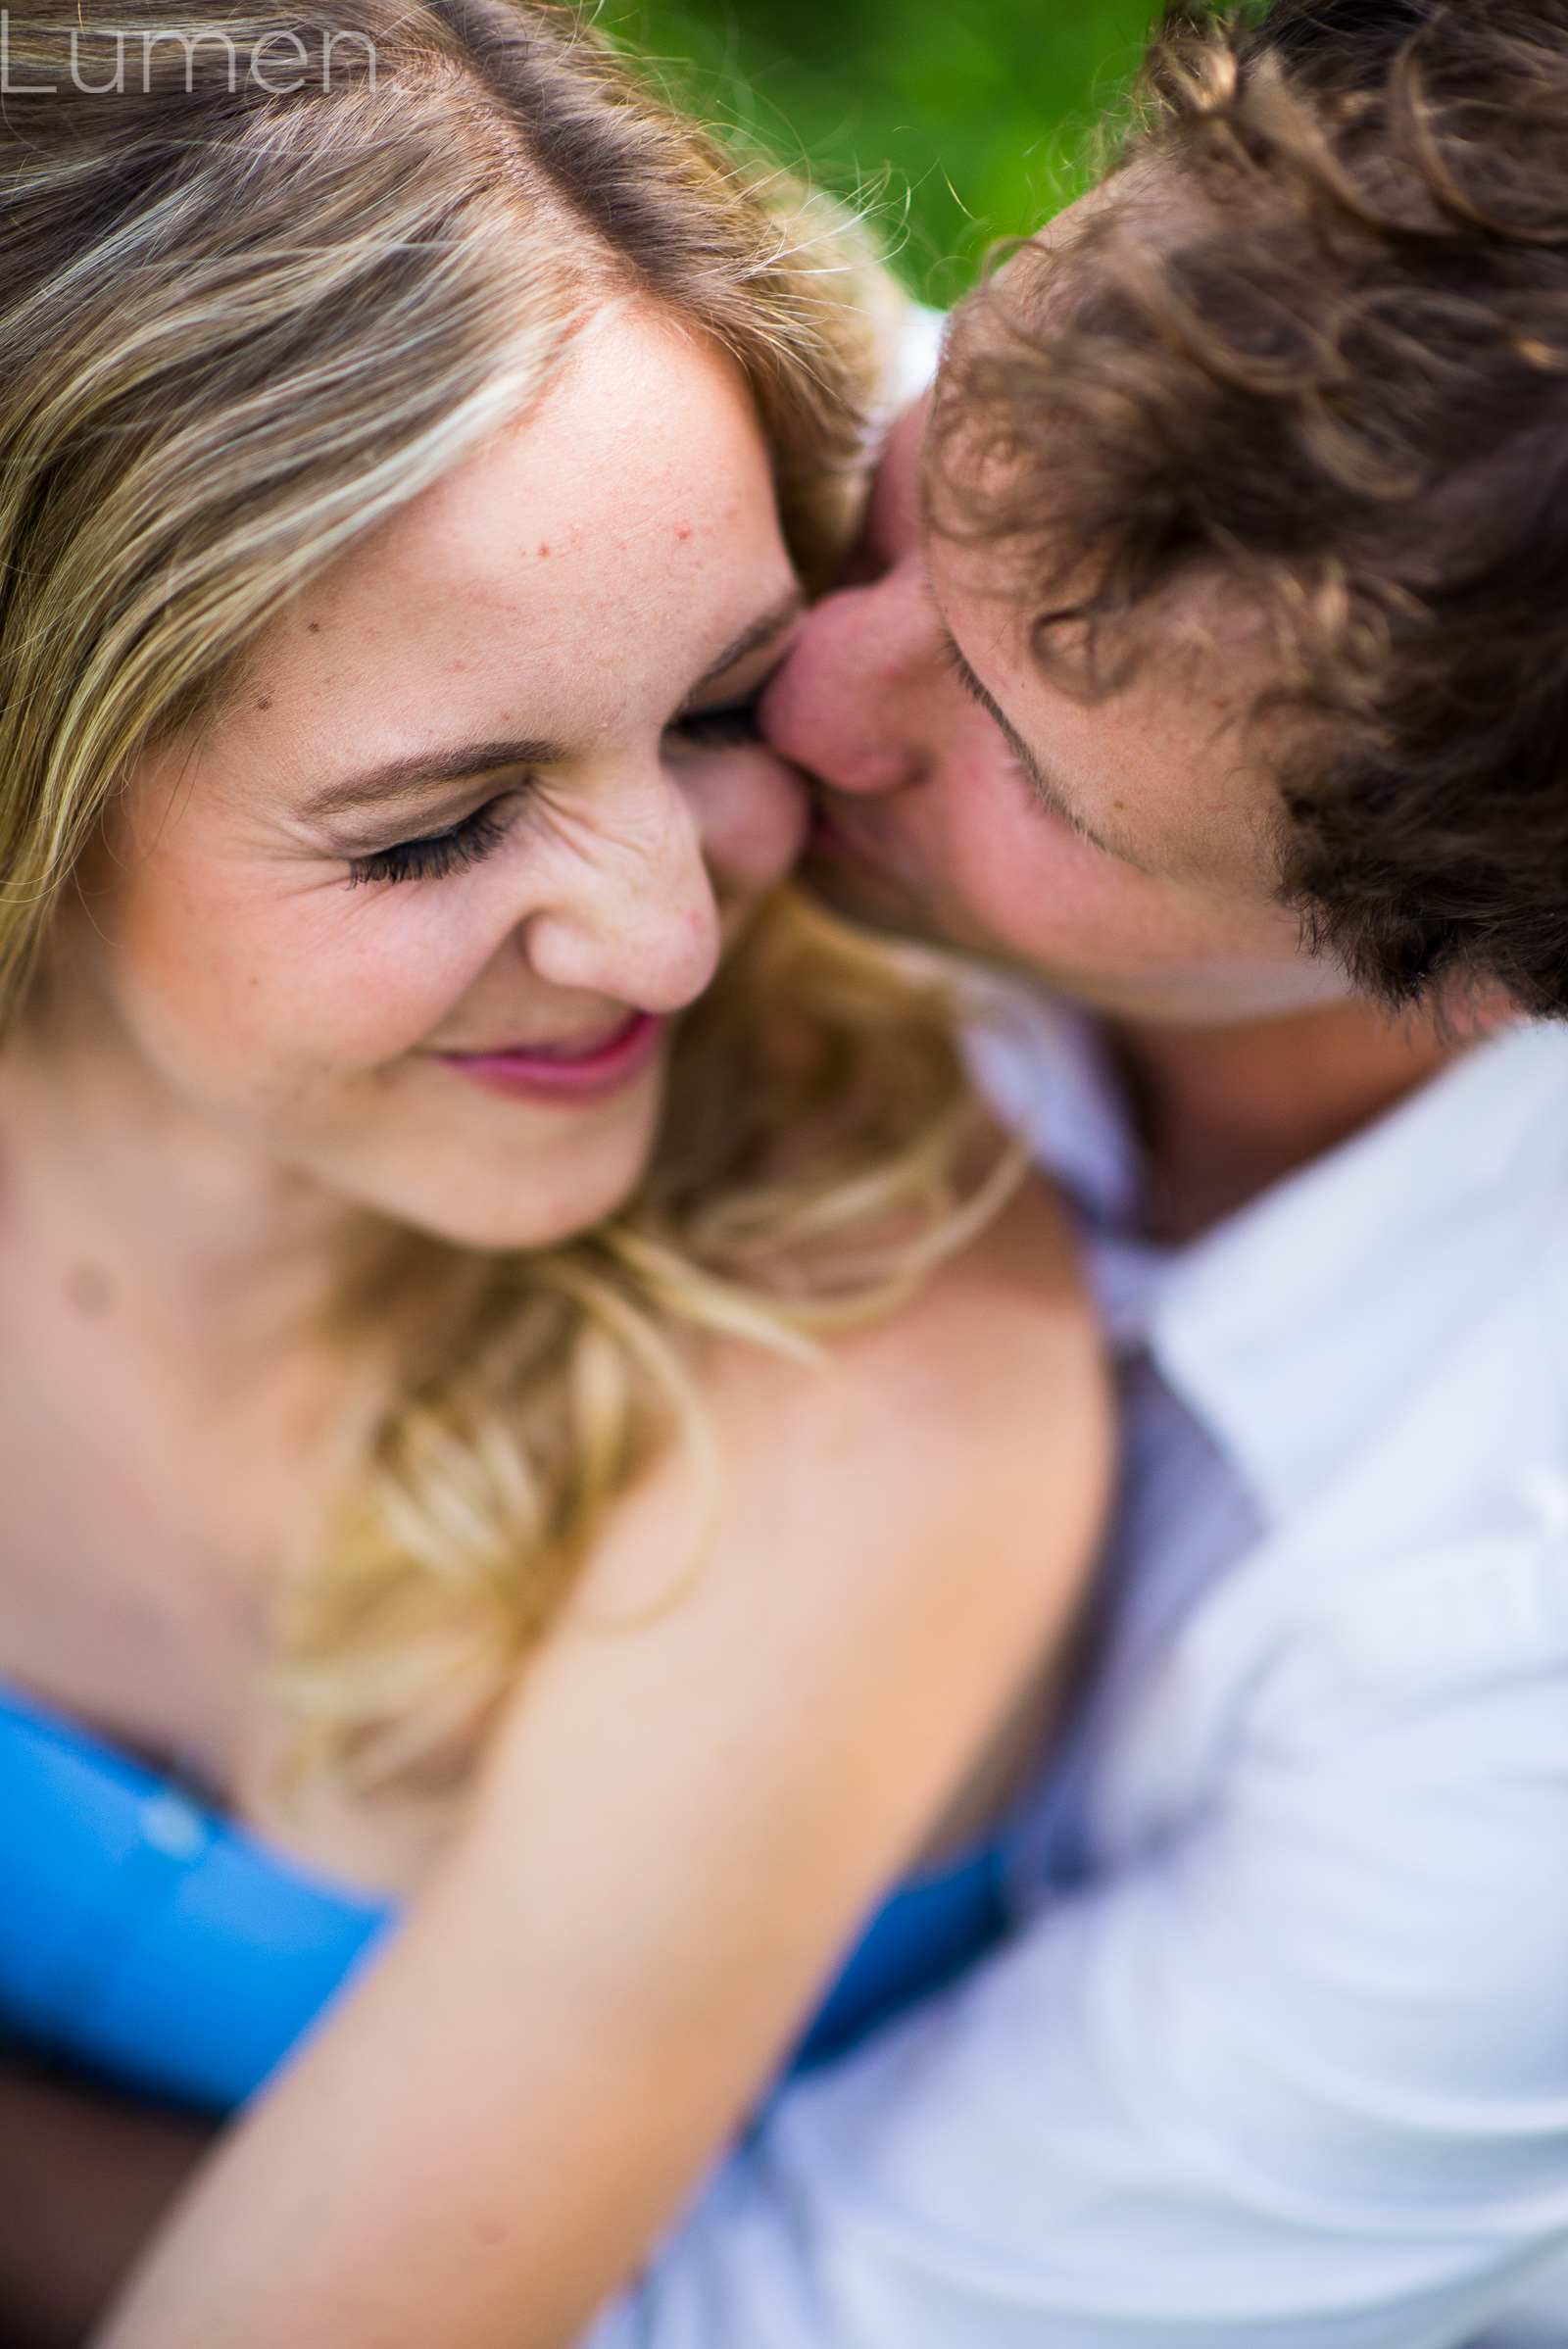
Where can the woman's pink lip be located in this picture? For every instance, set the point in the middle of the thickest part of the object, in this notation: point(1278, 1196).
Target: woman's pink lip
point(600, 1064)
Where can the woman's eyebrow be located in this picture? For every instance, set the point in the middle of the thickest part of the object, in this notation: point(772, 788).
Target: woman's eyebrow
point(466, 760)
point(428, 772)
point(752, 639)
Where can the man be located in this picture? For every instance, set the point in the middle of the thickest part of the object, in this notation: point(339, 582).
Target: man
point(1243, 600)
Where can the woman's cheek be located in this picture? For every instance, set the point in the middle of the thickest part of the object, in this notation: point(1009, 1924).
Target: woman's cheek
point(253, 996)
point(753, 816)
point(389, 973)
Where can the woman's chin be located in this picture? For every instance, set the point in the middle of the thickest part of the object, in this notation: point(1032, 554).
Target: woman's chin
point(504, 1191)
point(506, 1224)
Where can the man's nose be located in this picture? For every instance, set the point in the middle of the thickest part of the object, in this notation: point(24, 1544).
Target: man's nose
point(852, 702)
point(634, 920)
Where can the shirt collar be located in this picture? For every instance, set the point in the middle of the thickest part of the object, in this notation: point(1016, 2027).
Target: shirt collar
point(1289, 1328)
point(1044, 1067)
point(1297, 1326)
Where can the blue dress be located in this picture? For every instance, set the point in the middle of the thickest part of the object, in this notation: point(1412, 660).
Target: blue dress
point(156, 1944)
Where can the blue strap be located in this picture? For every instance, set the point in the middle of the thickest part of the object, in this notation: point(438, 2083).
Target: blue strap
point(921, 1938)
point(145, 1937)
point(153, 1942)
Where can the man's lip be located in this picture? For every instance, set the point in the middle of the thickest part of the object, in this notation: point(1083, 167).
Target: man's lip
point(573, 1069)
point(882, 862)
point(828, 838)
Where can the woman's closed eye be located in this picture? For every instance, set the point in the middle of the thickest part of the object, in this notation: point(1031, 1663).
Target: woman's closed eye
point(432, 856)
point(722, 727)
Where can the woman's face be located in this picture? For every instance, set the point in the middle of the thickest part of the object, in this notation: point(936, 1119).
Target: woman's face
point(413, 914)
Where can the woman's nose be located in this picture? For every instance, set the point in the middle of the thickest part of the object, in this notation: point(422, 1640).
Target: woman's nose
point(851, 702)
point(635, 918)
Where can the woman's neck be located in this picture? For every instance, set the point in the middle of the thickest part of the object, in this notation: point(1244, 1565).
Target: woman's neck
point(165, 1383)
point(141, 1199)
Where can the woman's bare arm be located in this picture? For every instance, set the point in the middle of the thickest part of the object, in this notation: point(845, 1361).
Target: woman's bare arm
point(677, 1830)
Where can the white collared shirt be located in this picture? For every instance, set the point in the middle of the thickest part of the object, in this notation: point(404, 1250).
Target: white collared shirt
point(1280, 2058)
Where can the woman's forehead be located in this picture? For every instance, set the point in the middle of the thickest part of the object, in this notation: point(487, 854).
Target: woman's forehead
point(582, 571)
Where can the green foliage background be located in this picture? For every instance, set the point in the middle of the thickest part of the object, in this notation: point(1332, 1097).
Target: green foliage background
point(963, 119)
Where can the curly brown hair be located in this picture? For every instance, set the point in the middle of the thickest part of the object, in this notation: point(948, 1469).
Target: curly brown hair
point(1315, 342)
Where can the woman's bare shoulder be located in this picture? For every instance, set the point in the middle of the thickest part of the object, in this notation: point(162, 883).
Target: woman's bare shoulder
point(1001, 1336)
point(973, 1422)
point(1022, 1278)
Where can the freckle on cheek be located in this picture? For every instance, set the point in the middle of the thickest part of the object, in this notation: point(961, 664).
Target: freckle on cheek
point(88, 1289)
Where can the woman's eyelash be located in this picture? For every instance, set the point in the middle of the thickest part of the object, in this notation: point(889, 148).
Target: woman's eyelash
point(729, 724)
point(433, 856)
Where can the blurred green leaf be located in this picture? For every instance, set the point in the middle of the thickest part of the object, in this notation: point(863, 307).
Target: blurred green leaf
point(962, 123)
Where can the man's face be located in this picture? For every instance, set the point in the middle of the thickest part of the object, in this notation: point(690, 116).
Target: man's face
point(1123, 849)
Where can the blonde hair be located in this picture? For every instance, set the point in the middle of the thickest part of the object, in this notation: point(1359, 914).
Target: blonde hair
point(241, 323)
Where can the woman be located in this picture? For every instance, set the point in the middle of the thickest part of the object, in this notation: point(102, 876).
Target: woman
point(416, 438)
